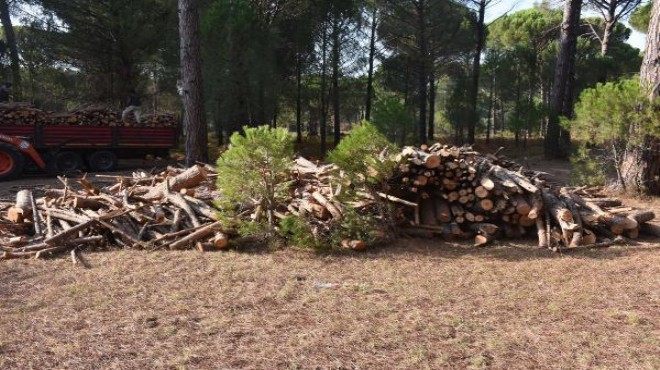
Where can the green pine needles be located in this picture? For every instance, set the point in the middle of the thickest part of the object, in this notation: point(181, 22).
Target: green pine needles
point(256, 168)
point(359, 155)
point(255, 175)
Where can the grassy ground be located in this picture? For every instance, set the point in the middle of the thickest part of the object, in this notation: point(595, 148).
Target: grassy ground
point(411, 305)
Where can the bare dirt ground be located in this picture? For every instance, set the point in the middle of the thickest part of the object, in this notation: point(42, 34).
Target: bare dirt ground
point(413, 304)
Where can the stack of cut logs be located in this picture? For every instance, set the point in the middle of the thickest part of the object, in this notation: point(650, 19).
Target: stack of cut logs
point(153, 120)
point(87, 116)
point(20, 114)
point(459, 193)
point(439, 190)
point(91, 115)
point(171, 209)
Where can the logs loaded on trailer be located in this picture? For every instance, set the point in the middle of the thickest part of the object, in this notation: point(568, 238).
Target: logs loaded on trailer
point(460, 193)
point(19, 113)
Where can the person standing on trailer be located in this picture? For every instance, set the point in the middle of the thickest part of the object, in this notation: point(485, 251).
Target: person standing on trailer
point(133, 105)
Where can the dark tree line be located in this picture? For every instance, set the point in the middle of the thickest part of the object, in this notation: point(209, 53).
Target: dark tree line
point(419, 69)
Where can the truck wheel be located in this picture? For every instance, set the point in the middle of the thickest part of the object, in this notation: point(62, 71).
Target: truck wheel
point(102, 161)
point(11, 162)
point(67, 161)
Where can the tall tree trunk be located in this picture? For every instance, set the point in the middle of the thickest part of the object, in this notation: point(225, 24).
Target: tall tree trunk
point(650, 71)
point(261, 110)
point(646, 159)
point(432, 94)
point(563, 81)
point(517, 110)
point(372, 57)
point(7, 26)
point(299, 99)
point(607, 35)
point(336, 56)
point(491, 113)
point(476, 69)
point(422, 75)
point(191, 77)
point(324, 113)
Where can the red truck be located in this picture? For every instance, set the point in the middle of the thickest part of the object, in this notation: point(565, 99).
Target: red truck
point(59, 148)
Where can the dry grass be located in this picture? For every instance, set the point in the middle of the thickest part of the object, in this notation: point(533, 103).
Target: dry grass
point(413, 305)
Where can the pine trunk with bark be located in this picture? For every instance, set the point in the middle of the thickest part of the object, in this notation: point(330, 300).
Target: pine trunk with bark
point(644, 161)
point(650, 71)
point(10, 36)
point(491, 113)
point(372, 57)
point(299, 99)
point(191, 78)
point(476, 69)
point(336, 60)
point(422, 74)
point(324, 112)
point(432, 95)
point(563, 81)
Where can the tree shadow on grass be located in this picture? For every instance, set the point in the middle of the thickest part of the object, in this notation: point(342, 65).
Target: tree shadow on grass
point(508, 250)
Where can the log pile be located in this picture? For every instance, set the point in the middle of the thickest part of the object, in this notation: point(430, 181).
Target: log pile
point(452, 192)
point(172, 209)
point(459, 193)
point(20, 114)
point(91, 115)
point(87, 116)
point(316, 197)
point(153, 120)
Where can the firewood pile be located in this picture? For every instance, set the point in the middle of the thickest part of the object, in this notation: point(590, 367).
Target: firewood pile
point(316, 197)
point(455, 193)
point(88, 115)
point(153, 120)
point(459, 193)
point(20, 114)
point(171, 209)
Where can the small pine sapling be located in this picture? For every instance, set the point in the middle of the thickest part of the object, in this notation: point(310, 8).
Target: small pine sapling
point(256, 169)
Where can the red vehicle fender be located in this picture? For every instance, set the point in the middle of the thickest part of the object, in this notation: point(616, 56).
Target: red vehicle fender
point(25, 147)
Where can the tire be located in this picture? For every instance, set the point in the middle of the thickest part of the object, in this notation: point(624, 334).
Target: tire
point(12, 162)
point(102, 161)
point(67, 161)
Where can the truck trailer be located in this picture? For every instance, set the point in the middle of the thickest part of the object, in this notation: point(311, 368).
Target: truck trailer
point(63, 148)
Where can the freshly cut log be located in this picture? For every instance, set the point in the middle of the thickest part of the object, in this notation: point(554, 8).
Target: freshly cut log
point(357, 245)
point(537, 206)
point(187, 179)
point(522, 206)
point(483, 239)
point(481, 192)
point(201, 233)
point(442, 210)
point(544, 240)
point(563, 216)
point(220, 240)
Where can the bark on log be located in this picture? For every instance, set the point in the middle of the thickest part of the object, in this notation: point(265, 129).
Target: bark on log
point(187, 179)
point(201, 233)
